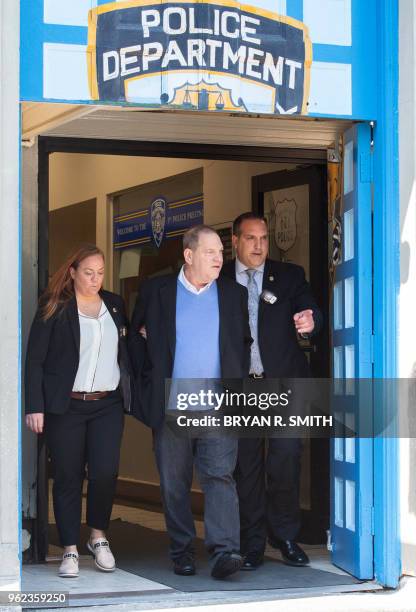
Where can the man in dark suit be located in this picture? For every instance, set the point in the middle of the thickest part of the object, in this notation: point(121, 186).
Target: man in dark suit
point(275, 353)
point(196, 326)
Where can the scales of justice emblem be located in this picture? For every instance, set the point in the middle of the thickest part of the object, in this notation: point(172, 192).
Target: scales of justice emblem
point(158, 219)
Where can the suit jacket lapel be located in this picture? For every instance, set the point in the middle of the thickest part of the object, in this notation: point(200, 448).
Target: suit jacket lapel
point(222, 310)
point(229, 269)
point(72, 312)
point(114, 311)
point(168, 306)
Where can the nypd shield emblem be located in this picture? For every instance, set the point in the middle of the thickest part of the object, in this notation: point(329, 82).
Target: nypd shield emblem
point(158, 219)
point(285, 228)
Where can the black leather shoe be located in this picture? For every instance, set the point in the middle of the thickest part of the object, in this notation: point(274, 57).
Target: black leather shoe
point(184, 565)
point(291, 552)
point(226, 564)
point(252, 560)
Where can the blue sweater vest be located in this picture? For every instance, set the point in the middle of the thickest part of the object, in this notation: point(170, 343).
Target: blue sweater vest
point(197, 352)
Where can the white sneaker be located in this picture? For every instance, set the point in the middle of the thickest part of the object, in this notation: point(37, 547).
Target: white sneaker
point(69, 566)
point(102, 554)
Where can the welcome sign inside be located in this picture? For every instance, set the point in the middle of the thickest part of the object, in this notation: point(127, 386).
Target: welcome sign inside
point(202, 55)
point(162, 219)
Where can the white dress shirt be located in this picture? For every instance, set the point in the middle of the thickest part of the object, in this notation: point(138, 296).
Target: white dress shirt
point(185, 282)
point(241, 275)
point(98, 368)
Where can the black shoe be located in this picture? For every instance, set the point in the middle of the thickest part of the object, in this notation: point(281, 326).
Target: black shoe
point(184, 565)
point(291, 552)
point(227, 564)
point(252, 560)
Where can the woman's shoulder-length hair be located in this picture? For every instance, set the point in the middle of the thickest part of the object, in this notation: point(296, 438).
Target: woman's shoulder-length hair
point(60, 288)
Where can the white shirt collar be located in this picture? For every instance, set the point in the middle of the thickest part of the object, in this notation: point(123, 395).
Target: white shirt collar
point(240, 267)
point(185, 282)
point(103, 311)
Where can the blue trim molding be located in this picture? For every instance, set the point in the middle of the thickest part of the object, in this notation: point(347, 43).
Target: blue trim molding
point(386, 288)
point(31, 50)
point(294, 8)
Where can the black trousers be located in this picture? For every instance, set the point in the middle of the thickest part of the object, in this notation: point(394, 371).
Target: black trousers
point(88, 434)
point(268, 479)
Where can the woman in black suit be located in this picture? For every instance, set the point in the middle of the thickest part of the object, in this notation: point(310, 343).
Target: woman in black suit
point(78, 380)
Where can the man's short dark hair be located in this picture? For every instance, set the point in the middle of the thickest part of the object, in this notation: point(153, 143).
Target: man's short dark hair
point(191, 237)
point(251, 216)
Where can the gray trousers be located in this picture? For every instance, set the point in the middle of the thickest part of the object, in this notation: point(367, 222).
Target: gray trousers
point(215, 460)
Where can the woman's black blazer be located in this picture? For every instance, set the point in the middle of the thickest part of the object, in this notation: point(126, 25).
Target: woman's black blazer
point(52, 357)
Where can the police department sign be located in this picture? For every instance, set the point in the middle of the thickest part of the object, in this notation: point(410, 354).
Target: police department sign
point(199, 55)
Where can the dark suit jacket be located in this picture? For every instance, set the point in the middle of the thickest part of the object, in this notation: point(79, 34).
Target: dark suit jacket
point(280, 352)
point(153, 358)
point(52, 357)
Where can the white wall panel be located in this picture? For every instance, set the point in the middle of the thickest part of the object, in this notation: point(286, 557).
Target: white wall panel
point(64, 74)
point(74, 13)
point(331, 89)
point(329, 21)
point(10, 254)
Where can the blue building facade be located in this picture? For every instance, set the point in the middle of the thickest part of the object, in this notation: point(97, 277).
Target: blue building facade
point(304, 59)
point(272, 56)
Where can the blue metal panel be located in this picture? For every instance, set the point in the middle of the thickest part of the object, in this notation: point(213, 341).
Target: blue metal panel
point(332, 53)
point(73, 35)
point(365, 59)
point(31, 51)
point(294, 9)
point(386, 288)
point(351, 527)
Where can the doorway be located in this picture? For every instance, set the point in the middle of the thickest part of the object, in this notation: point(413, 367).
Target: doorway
point(311, 161)
point(295, 204)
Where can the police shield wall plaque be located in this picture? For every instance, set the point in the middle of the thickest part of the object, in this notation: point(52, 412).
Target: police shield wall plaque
point(158, 218)
point(285, 228)
point(209, 55)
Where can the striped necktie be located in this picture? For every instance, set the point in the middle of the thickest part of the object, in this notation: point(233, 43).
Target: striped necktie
point(256, 366)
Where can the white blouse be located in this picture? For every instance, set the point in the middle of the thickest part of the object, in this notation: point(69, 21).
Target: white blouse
point(98, 368)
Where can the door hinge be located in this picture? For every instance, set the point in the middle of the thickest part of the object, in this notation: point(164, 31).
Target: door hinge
point(372, 134)
point(329, 545)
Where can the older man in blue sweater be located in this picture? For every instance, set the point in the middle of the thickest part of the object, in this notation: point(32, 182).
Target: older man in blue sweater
point(197, 327)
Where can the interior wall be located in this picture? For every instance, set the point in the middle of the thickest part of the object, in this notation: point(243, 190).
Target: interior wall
point(77, 178)
point(68, 227)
